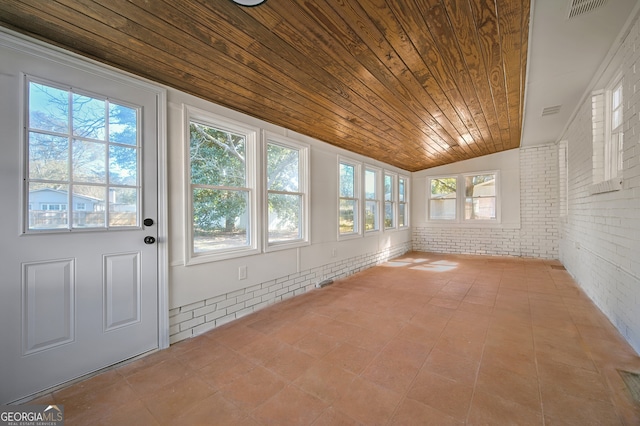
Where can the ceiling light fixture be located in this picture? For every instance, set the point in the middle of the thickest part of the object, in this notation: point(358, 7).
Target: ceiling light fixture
point(249, 3)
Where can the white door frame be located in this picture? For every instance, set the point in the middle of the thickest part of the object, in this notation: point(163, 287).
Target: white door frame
point(22, 43)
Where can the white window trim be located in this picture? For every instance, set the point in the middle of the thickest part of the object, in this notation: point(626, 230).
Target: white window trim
point(603, 181)
point(428, 209)
point(357, 191)
point(394, 201)
point(459, 220)
point(497, 197)
point(303, 185)
point(407, 213)
point(377, 199)
point(612, 169)
point(191, 113)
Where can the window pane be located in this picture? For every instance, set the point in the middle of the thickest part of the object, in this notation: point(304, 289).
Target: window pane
point(284, 217)
point(123, 165)
point(401, 215)
point(347, 182)
point(483, 208)
point(93, 201)
point(388, 188)
point(401, 190)
point(282, 168)
point(48, 108)
point(442, 209)
point(48, 206)
point(388, 215)
point(48, 157)
point(89, 162)
point(122, 206)
point(89, 117)
point(220, 219)
point(370, 184)
point(445, 187)
point(348, 222)
point(480, 186)
point(371, 216)
point(123, 124)
point(217, 157)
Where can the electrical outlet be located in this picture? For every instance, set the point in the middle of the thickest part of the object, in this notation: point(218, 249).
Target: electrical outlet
point(334, 252)
point(242, 272)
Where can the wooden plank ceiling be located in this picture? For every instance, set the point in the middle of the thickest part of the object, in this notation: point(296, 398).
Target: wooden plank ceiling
point(413, 83)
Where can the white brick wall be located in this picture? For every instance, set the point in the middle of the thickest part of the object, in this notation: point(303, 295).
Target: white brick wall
point(539, 231)
point(196, 318)
point(600, 240)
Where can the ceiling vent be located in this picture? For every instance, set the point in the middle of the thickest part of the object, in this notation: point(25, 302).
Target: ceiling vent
point(551, 110)
point(580, 7)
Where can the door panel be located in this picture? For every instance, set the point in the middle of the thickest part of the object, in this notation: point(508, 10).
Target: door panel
point(83, 295)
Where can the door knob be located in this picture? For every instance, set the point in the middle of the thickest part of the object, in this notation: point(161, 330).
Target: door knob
point(149, 239)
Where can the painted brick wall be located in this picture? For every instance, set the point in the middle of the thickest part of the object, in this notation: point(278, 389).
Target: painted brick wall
point(600, 239)
point(539, 231)
point(196, 318)
point(539, 210)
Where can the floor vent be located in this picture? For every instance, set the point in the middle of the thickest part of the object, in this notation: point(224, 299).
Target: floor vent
point(580, 7)
point(632, 380)
point(324, 283)
point(560, 267)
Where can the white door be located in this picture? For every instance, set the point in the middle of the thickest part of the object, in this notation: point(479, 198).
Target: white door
point(78, 198)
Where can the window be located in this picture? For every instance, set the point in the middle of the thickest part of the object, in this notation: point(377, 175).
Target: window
point(372, 199)
point(613, 149)
point(286, 167)
point(222, 196)
point(349, 199)
point(607, 133)
point(403, 202)
point(478, 201)
point(85, 146)
point(443, 198)
point(480, 197)
point(389, 201)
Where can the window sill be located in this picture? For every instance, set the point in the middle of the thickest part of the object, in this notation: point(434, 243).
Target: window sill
point(610, 185)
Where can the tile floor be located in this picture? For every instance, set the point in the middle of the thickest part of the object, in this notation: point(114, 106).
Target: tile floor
point(423, 339)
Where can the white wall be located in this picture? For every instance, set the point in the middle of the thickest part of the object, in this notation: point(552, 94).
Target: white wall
point(528, 212)
point(204, 296)
point(600, 237)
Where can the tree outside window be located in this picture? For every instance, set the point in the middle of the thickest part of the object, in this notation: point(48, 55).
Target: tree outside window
point(219, 190)
point(348, 198)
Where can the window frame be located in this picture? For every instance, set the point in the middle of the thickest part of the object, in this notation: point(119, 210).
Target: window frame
point(377, 174)
point(460, 219)
point(613, 150)
point(393, 201)
point(251, 170)
point(429, 198)
point(404, 203)
point(303, 191)
point(71, 181)
point(357, 198)
point(463, 197)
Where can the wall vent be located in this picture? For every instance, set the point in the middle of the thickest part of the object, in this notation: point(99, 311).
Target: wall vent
point(551, 110)
point(580, 7)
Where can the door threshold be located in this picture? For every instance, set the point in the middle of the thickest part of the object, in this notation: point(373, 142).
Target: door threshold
point(87, 376)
